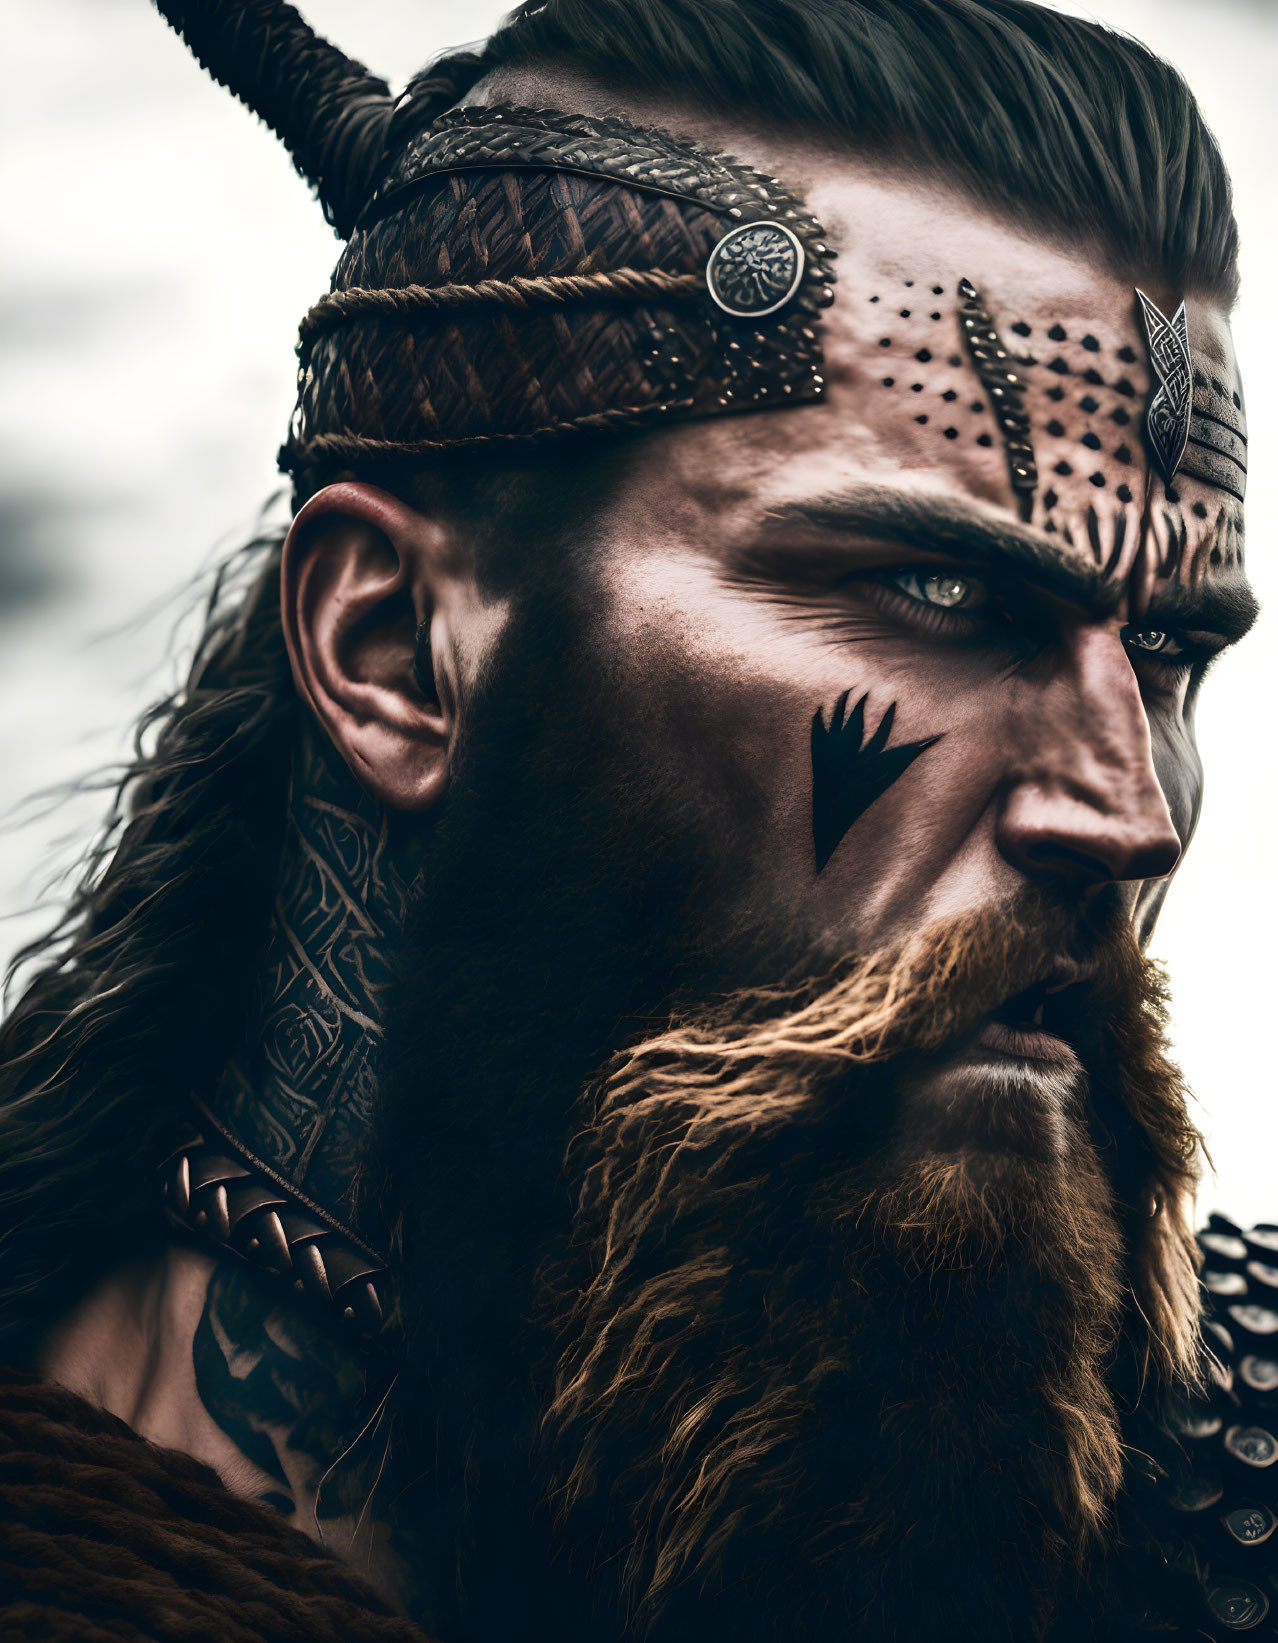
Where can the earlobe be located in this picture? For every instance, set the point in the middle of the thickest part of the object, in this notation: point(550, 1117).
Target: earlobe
point(363, 578)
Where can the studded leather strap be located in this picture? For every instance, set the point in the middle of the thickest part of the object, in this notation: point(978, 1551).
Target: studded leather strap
point(213, 1187)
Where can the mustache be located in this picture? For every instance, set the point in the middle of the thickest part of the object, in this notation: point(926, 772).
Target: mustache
point(753, 1072)
point(762, 1070)
point(917, 997)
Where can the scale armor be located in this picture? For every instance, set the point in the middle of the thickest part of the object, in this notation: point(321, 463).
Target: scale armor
point(1202, 1502)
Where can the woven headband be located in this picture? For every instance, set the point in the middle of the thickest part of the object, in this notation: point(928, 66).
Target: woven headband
point(520, 274)
point(512, 274)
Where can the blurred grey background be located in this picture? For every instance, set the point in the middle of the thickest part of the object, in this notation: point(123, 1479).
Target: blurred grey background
point(157, 253)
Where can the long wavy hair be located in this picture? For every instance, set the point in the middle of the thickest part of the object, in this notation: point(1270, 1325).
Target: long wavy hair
point(142, 983)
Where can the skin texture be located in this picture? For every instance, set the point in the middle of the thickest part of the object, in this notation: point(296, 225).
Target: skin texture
point(750, 573)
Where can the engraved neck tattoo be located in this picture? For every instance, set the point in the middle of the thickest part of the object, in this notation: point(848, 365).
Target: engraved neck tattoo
point(300, 1093)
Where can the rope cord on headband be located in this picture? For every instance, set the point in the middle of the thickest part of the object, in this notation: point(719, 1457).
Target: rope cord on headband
point(359, 302)
point(358, 447)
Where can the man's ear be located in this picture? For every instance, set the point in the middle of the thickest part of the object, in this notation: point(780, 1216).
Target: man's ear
point(367, 584)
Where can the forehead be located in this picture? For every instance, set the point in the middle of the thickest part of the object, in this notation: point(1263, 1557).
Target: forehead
point(909, 405)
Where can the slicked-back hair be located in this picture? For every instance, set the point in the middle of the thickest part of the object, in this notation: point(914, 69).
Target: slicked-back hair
point(1058, 121)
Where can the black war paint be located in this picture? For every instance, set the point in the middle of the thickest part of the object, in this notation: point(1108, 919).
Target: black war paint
point(849, 773)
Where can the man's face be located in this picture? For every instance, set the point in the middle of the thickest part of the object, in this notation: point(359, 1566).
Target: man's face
point(813, 689)
point(780, 587)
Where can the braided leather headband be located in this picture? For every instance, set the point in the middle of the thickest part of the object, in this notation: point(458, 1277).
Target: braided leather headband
point(546, 273)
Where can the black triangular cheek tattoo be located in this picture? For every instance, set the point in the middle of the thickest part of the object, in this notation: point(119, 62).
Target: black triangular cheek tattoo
point(849, 773)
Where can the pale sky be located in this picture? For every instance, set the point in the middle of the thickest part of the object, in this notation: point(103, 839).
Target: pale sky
point(158, 253)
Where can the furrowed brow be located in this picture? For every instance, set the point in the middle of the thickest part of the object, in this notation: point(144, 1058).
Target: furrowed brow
point(1225, 608)
point(938, 526)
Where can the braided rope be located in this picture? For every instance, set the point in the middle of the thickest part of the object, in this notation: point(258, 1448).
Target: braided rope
point(353, 448)
point(361, 302)
point(103, 1535)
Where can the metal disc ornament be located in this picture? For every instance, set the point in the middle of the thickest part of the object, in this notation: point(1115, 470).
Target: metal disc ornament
point(755, 269)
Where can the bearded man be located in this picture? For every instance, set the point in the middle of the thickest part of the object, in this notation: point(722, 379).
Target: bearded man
point(607, 1075)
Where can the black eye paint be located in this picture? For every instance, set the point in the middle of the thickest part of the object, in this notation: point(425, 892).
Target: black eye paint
point(849, 773)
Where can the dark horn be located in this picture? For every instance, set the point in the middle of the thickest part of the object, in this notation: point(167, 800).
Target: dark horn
point(330, 112)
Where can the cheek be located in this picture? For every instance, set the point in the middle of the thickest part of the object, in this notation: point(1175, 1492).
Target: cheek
point(721, 692)
point(1177, 766)
point(881, 719)
point(1180, 775)
point(856, 777)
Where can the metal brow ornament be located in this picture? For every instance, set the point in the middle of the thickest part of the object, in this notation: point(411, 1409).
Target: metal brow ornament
point(1167, 420)
point(1005, 389)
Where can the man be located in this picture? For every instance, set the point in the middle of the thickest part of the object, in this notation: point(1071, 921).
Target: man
point(624, 962)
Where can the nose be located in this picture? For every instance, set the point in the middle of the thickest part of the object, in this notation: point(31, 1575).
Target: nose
point(1082, 804)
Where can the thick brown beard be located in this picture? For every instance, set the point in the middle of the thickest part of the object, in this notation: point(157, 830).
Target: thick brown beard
point(820, 1376)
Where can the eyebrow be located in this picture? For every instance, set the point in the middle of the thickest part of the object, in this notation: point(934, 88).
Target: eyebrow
point(942, 526)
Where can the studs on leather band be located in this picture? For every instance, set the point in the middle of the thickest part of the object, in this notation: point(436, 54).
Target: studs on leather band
point(1253, 1445)
point(1250, 1525)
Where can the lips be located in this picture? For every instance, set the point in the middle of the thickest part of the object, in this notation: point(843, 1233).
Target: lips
point(1024, 1043)
point(1041, 1023)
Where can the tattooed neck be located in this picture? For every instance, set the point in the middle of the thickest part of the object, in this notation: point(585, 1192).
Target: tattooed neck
point(300, 1404)
point(205, 1356)
point(297, 1403)
point(301, 1091)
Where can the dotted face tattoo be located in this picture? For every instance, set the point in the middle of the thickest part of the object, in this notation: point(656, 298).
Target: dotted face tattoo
point(1070, 423)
